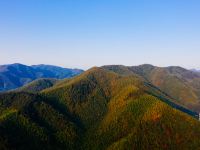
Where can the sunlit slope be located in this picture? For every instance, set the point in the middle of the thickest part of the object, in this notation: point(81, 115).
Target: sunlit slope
point(144, 123)
point(180, 84)
point(117, 112)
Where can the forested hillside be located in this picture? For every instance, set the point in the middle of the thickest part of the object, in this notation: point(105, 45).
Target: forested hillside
point(182, 85)
point(98, 109)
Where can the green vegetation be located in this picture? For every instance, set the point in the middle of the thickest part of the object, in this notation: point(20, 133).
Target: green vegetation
point(183, 86)
point(38, 85)
point(29, 121)
point(98, 109)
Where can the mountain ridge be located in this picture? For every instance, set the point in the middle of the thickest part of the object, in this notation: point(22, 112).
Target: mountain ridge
point(16, 75)
point(181, 84)
point(99, 109)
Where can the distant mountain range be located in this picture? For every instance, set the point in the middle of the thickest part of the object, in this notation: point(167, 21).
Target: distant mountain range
point(16, 75)
point(104, 108)
point(195, 70)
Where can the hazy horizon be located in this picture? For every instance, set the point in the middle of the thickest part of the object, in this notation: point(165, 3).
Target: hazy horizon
point(83, 34)
point(74, 67)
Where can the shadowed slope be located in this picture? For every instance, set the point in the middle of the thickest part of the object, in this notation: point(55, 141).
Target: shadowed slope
point(30, 121)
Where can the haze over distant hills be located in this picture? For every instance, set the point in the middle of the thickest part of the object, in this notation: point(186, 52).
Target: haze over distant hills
point(16, 75)
point(195, 70)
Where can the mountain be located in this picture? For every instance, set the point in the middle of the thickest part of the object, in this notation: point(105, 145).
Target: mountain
point(195, 70)
point(182, 85)
point(99, 109)
point(16, 75)
point(56, 72)
point(37, 85)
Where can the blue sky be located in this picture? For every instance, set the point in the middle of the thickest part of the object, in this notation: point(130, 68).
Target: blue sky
point(86, 33)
